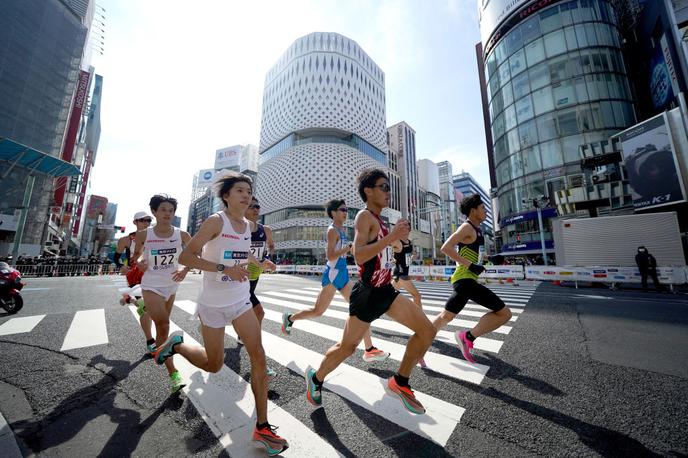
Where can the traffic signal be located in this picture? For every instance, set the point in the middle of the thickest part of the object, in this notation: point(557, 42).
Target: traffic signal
point(119, 228)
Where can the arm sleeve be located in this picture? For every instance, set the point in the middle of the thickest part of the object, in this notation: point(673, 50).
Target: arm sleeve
point(118, 263)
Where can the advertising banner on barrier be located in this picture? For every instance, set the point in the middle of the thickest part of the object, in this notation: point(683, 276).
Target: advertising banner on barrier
point(515, 272)
point(419, 271)
point(353, 270)
point(442, 271)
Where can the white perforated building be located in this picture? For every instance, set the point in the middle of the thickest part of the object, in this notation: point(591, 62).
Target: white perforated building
point(323, 122)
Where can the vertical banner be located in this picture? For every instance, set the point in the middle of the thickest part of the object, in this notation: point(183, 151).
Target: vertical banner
point(80, 96)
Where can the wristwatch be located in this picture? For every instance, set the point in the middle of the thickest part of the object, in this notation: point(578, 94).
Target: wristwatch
point(220, 267)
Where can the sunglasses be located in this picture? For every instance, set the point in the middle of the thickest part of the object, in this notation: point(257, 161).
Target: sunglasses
point(384, 187)
point(256, 207)
point(144, 220)
point(343, 209)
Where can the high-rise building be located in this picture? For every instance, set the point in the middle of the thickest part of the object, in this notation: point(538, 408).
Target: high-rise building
point(323, 122)
point(431, 210)
point(464, 186)
point(42, 47)
point(553, 80)
point(450, 217)
point(401, 140)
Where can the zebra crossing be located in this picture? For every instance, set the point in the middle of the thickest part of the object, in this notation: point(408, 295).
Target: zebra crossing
point(225, 402)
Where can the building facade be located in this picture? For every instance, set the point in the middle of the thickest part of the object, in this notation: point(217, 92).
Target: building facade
point(37, 85)
point(450, 216)
point(554, 79)
point(401, 141)
point(323, 122)
point(464, 186)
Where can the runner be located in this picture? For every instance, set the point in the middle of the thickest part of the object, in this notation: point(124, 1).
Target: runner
point(335, 278)
point(373, 295)
point(129, 269)
point(161, 246)
point(403, 253)
point(470, 239)
point(224, 240)
point(261, 247)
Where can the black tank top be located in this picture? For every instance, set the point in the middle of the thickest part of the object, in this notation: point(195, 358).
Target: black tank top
point(402, 258)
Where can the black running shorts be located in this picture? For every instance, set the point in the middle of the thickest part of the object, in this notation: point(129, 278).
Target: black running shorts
point(368, 303)
point(252, 289)
point(468, 289)
point(400, 274)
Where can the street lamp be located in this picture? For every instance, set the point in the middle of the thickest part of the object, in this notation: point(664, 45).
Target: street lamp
point(538, 203)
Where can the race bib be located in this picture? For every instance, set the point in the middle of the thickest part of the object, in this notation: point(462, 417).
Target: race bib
point(231, 258)
point(163, 259)
point(386, 258)
point(481, 254)
point(408, 259)
point(258, 250)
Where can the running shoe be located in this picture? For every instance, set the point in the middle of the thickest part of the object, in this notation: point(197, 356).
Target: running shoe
point(125, 299)
point(176, 382)
point(270, 374)
point(406, 395)
point(375, 355)
point(151, 348)
point(313, 393)
point(266, 436)
point(286, 324)
point(140, 307)
point(465, 345)
point(167, 349)
point(421, 363)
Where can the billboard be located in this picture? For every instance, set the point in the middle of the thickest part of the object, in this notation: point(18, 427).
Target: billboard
point(228, 157)
point(97, 205)
point(651, 164)
point(206, 177)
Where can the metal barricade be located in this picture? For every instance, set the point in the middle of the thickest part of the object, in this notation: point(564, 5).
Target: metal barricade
point(66, 270)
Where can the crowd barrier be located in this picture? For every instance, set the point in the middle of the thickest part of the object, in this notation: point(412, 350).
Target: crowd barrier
point(65, 270)
point(604, 274)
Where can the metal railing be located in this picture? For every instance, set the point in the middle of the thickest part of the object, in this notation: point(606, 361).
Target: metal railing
point(66, 270)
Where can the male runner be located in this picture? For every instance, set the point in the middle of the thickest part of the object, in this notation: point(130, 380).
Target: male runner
point(133, 274)
point(373, 295)
point(161, 246)
point(224, 240)
point(261, 247)
point(469, 238)
point(335, 278)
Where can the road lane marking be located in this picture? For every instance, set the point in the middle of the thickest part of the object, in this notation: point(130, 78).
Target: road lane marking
point(225, 402)
point(87, 329)
point(483, 343)
point(345, 305)
point(20, 325)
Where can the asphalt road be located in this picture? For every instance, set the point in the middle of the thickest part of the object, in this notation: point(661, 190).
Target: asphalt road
point(579, 373)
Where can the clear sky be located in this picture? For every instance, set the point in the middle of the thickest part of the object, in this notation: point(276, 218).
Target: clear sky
point(182, 79)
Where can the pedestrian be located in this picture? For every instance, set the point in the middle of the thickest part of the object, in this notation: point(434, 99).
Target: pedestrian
point(335, 278)
point(127, 246)
point(647, 264)
point(373, 295)
point(469, 239)
point(221, 249)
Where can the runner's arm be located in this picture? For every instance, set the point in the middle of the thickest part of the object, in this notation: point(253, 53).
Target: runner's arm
point(121, 247)
point(186, 238)
point(366, 227)
point(332, 239)
point(140, 241)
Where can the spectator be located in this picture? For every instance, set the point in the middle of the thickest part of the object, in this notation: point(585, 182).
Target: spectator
point(647, 264)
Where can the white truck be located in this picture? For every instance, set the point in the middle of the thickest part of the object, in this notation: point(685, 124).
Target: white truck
point(614, 240)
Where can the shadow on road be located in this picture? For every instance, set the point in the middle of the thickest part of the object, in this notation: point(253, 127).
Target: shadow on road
point(500, 370)
point(85, 405)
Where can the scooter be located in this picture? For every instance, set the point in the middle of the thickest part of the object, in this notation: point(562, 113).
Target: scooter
point(10, 285)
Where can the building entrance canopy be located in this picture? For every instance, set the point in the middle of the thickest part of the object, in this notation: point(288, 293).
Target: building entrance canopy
point(20, 155)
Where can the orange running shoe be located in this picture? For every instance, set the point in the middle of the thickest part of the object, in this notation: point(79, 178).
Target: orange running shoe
point(375, 355)
point(266, 436)
point(406, 395)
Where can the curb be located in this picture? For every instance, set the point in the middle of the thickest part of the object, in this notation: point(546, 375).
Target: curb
point(8, 444)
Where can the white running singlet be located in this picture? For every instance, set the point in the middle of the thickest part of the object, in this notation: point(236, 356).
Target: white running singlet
point(228, 248)
point(162, 254)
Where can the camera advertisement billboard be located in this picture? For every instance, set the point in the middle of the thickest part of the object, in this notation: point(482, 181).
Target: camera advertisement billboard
point(651, 164)
point(226, 158)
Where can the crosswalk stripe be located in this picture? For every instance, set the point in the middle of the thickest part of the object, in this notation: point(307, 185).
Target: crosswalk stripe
point(225, 401)
point(20, 325)
point(483, 343)
point(87, 329)
point(517, 308)
point(425, 307)
point(518, 301)
point(345, 305)
point(368, 391)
